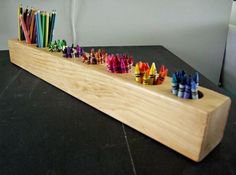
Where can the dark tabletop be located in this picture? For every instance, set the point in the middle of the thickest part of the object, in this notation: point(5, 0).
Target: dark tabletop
point(44, 131)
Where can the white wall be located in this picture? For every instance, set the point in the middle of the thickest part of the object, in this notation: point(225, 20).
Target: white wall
point(194, 30)
point(229, 70)
point(233, 14)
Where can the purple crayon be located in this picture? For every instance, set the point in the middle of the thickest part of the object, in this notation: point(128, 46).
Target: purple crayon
point(79, 51)
point(69, 51)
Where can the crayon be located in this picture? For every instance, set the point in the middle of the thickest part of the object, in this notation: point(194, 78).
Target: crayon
point(181, 88)
point(68, 53)
point(143, 67)
point(145, 78)
point(115, 64)
point(162, 74)
point(137, 73)
point(93, 60)
point(84, 57)
point(196, 78)
point(152, 74)
point(174, 84)
point(109, 63)
point(78, 51)
point(73, 52)
point(123, 66)
point(187, 90)
point(194, 90)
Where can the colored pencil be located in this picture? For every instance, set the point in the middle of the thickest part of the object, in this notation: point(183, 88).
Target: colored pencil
point(37, 28)
point(43, 28)
point(25, 30)
point(32, 25)
point(18, 22)
point(27, 20)
point(52, 26)
point(46, 32)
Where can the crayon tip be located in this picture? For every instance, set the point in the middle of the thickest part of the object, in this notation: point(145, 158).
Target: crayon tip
point(174, 78)
point(197, 77)
point(153, 69)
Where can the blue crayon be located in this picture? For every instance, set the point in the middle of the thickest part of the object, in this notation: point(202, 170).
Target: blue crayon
point(174, 84)
point(187, 91)
point(194, 90)
point(181, 88)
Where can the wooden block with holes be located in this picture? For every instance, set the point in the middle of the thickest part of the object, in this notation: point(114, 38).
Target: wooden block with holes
point(190, 127)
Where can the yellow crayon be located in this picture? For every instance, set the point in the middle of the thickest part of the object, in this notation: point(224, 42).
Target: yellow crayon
point(137, 73)
point(152, 74)
point(145, 78)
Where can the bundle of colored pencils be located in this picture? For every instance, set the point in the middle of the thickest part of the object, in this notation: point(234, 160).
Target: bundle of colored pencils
point(36, 26)
point(119, 63)
point(185, 86)
point(149, 76)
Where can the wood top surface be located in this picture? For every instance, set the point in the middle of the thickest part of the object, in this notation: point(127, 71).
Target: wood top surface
point(207, 104)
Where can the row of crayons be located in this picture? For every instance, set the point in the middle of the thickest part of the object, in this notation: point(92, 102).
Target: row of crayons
point(116, 63)
point(148, 76)
point(36, 26)
point(185, 86)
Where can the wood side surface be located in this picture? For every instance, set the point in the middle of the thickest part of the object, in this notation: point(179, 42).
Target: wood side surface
point(187, 126)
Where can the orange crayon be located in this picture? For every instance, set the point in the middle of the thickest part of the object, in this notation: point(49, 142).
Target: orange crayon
point(162, 74)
